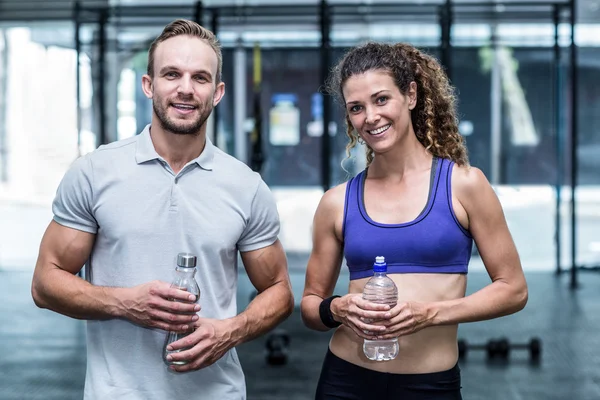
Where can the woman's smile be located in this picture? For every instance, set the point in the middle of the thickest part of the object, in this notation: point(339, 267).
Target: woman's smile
point(379, 131)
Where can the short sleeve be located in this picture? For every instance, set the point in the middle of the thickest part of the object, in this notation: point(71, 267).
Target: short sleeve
point(73, 204)
point(263, 225)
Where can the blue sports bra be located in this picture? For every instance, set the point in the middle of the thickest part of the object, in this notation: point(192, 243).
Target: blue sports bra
point(434, 242)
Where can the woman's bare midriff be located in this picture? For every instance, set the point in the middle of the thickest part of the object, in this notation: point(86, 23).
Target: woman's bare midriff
point(431, 349)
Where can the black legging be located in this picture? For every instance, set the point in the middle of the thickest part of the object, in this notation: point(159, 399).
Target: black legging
point(341, 380)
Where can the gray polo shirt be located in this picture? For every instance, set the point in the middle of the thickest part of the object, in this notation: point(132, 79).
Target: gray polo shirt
point(143, 215)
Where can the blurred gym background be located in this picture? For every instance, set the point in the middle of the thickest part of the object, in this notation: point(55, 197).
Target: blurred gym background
point(526, 74)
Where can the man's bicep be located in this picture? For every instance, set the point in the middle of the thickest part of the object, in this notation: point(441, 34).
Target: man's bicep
point(263, 225)
point(266, 266)
point(74, 200)
point(65, 248)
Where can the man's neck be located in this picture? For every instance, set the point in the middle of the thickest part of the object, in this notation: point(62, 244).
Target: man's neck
point(177, 149)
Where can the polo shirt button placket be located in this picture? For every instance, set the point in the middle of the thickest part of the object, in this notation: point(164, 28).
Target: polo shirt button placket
point(173, 202)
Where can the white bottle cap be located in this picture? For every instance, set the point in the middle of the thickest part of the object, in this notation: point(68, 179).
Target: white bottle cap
point(379, 259)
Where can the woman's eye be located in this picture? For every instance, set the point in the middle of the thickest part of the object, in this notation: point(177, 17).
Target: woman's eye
point(354, 109)
point(381, 100)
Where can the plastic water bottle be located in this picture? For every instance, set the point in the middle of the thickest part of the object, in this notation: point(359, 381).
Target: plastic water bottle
point(183, 279)
point(381, 289)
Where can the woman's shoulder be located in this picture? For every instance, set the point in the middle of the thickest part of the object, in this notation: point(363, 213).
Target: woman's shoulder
point(334, 197)
point(468, 180)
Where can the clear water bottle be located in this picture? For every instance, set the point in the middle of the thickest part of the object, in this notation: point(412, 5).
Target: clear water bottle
point(183, 279)
point(381, 289)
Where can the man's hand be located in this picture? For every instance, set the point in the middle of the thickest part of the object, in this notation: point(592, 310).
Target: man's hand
point(157, 305)
point(207, 344)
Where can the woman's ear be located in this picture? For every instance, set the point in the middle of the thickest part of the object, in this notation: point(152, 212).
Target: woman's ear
point(412, 95)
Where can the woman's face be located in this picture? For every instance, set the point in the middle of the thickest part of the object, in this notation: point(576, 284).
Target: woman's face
point(378, 111)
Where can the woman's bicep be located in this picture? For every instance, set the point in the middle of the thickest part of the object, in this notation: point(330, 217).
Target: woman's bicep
point(487, 224)
point(326, 257)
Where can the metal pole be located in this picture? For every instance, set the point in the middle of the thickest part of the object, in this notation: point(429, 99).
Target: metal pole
point(214, 25)
point(257, 157)
point(325, 20)
point(239, 102)
point(496, 110)
point(198, 12)
point(556, 107)
point(76, 17)
point(446, 26)
point(103, 138)
point(3, 106)
point(574, 145)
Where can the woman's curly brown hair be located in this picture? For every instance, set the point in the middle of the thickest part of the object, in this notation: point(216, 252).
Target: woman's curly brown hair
point(433, 118)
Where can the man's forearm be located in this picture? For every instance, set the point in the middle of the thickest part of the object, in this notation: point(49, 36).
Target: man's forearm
point(70, 295)
point(263, 313)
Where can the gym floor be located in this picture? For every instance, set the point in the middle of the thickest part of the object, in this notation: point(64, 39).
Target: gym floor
point(43, 354)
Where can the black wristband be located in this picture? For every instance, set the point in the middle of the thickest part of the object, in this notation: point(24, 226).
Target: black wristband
point(325, 313)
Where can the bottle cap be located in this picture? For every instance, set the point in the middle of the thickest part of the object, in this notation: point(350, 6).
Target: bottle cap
point(380, 264)
point(186, 260)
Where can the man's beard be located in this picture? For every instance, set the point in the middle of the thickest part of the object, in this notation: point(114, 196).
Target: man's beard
point(182, 127)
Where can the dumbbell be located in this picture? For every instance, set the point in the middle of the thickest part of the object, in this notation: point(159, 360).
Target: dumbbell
point(492, 347)
point(534, 346)
point(498, 348)
point(277, 347)
point(501, 348)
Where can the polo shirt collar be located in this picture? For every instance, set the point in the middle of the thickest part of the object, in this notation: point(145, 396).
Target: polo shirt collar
point(145, 151)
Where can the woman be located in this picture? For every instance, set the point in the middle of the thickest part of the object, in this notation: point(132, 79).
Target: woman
point(420, 205)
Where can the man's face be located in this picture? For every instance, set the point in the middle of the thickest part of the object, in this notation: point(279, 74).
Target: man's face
point(183, 89)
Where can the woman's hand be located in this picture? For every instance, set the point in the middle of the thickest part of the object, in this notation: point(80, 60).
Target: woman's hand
point(405, 319)
point(361, 315)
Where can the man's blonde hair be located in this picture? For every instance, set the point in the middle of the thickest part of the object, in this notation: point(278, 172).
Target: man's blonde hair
point(189, 28)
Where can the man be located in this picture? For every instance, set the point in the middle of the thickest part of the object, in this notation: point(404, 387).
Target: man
point(127, 209)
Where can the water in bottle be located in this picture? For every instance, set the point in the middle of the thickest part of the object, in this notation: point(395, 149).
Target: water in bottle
point(183, 279)
point(381, 289)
